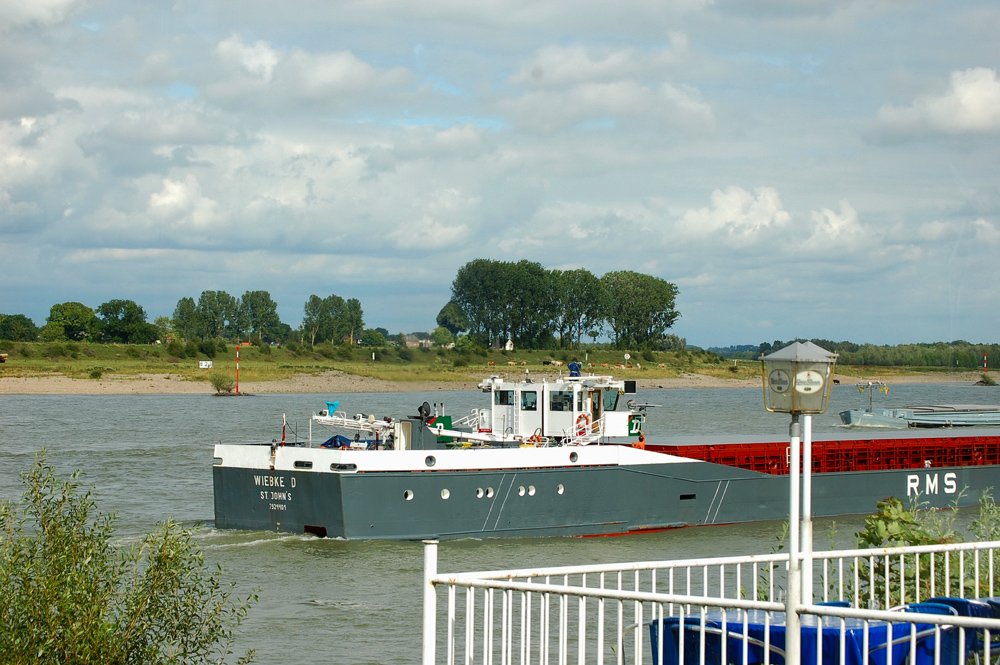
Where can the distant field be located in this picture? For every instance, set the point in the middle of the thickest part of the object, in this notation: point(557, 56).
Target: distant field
point(83, 361)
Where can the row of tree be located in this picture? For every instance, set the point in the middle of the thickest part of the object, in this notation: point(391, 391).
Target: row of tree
point(960, 353)
point(533, 307)
point(218, 315)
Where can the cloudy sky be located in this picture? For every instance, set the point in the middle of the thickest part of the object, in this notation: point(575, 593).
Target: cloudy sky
point(811, 168)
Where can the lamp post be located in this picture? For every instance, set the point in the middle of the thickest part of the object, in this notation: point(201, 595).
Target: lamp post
point(797, 381)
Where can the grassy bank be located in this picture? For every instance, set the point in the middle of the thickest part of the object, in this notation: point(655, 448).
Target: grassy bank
point(96, 361)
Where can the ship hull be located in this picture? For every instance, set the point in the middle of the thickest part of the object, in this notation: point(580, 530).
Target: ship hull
point(557, 501)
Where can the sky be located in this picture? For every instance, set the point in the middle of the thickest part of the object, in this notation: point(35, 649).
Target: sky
point(798, 168)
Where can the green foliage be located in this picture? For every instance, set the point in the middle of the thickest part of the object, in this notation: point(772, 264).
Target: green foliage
point(344, 352)
point(405, 354)
point(176, 348)
point(191, 350)
point(74, 321)
point(372, 339)
point(222, 382)
point(442, 336)
point(208, 347)
point(453, 318)
point(124, 322)
point(96, 373)
point(640, 308)
point(988, 380)
point(17, 328)
point(71, 596)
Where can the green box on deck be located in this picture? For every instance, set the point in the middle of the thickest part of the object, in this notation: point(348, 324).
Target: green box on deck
point(445, 422)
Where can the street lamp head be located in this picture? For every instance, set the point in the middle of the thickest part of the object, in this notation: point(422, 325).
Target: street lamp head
point(797, 378)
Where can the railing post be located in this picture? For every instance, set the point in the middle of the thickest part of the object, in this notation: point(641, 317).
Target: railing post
point(794, 596)
point(430, 601)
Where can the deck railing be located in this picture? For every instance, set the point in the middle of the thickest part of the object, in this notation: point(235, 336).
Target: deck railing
point(603, 613)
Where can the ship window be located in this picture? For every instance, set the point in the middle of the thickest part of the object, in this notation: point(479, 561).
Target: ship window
point(687, 497)
point(529, 401)
point(520, 490)
point(408, 495)
point(299, 464)
point(573, 457)
point(579, 400)
point(430, 461)
point(560, 489)
point(611, 400)
point(445, 494)
point(561, 400)
point(503, 397)
point(531, 490)
point(479, 492)
point(489, 492)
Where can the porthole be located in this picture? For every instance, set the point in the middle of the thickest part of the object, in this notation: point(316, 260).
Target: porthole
point(445, 494)
point(489, 492)
point(560, 489)
point(520, 490)
point(408, 495)
point(430, 461)
point(573, 457)
point(479, 492)
point(531, 490)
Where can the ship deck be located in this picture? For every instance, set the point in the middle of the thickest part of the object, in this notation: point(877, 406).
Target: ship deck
point(847, 452)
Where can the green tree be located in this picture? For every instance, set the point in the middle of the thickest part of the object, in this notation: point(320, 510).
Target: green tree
point(442, 336)
point(163, 328)
point(372, 338)
point(17, 328)
point(453, 318)
point(262, 315)
point(185, 320)
point(480, 289)
point(580, 303)
point(324, 319)
point(78, 322)
point(124, 322)
point(354, 318)
point(639, 308)
point(216, 315)
point(71, 596)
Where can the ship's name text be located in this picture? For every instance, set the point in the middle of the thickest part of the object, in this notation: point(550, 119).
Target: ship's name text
point(931, 484)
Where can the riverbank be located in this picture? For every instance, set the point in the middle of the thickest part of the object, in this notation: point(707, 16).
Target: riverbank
point(340, 382)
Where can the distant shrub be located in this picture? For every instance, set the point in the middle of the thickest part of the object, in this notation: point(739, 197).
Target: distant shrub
point(221, 346)
point(208, 347)
point(264, 350)
point(406, 354)
point(133, 352)
point(344, 352)
point(89, 352)
point(222, 382)
point(988, 380)
point(293, 347)
point(56, 349)
point(648, 355)
point(25, 351)
point(176, 348)
point(191, 350)
point(96, 374)
point(460, 362)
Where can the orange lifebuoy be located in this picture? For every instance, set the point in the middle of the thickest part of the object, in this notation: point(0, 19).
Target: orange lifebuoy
point(582, 424)
point(534, 438)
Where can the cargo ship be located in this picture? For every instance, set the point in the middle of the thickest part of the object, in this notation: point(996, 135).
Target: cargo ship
point(567, 456)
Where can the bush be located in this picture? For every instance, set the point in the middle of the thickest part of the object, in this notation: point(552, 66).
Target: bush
point(222, 382)
point(176, 348)
point(71, 596)
point(405, 354)
point(293, 347)
point(208, 347)
point(96, 374)
point(344, 352)
point(133, 352)
point(191, 350)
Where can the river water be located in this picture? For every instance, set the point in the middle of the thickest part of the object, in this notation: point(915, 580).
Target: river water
point(327, 601)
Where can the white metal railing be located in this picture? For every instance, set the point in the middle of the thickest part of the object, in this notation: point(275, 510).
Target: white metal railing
point(602, 613)
point(584, 434)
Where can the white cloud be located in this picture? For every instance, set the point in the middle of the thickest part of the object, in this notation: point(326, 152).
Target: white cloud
point(562, 66)
point(19, 13)
point(839, 230)
point(180, 205)
point(261, 75)
point(737, 214)
point(971, 105)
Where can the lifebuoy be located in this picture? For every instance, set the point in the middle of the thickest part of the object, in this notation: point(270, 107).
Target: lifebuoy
point(582, 424)
point(534, 439)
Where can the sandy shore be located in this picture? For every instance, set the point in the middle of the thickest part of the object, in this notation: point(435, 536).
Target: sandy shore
point(338, 382)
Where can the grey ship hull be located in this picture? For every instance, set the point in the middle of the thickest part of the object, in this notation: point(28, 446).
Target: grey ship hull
point(559, 501)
